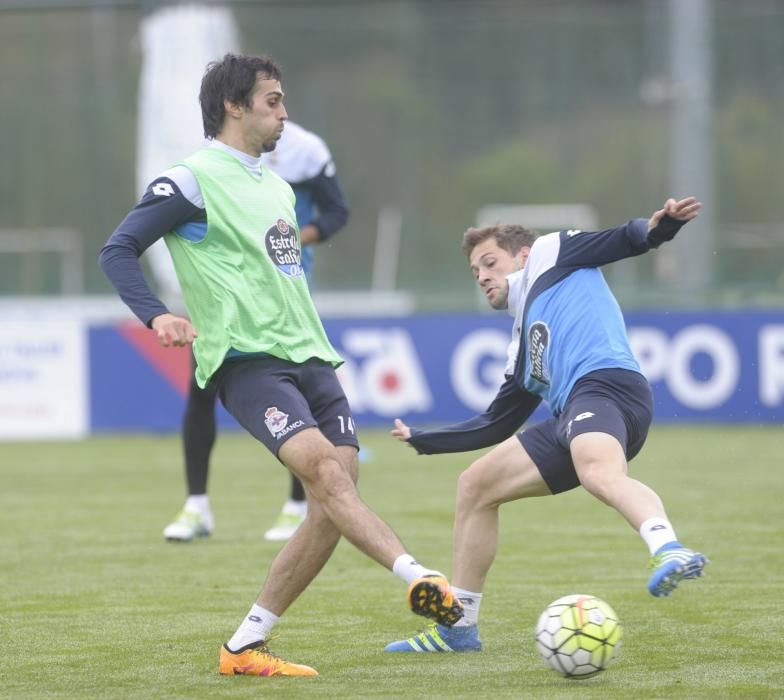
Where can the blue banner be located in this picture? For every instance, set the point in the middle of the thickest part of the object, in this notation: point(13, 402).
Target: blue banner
point(428, 369)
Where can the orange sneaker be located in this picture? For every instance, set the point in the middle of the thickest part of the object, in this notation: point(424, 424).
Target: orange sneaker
point(257, 660)
point(431, 597)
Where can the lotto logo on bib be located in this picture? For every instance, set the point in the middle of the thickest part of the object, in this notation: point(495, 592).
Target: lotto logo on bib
point(283, 248)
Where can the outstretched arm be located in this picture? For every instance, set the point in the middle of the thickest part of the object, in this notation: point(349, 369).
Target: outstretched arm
point(666, 222)
point(638, 236)
point(509, 410)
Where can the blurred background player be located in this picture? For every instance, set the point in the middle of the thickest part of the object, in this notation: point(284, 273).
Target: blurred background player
point(302, 159)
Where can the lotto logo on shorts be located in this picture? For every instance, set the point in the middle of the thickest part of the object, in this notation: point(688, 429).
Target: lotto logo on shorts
point(582, 416)
point(275, 420)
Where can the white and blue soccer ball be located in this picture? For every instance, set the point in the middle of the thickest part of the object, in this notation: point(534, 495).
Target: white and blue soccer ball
point(578, 635)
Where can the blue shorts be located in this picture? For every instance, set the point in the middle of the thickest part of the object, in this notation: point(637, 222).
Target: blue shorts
point(613, 401)
point(275, 399)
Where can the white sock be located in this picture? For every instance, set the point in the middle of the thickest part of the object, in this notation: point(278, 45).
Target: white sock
point(406, 567)
point(471, 602)
point(295, 507)
point(198, 504)
point(657, 532)
point(254, 628)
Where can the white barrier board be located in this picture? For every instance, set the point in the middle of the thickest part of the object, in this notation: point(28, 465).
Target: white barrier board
point(43, 380)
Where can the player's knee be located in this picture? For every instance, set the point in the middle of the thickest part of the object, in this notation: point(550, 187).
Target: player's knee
point(472, 488)
point(329, 480)
point(600, 478)
point(349, 458)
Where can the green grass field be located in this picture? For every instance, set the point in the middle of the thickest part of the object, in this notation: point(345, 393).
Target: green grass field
point(96, 604)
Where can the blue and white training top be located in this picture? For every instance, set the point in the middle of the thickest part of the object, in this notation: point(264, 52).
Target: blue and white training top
point(567, 323)
point(571, 321)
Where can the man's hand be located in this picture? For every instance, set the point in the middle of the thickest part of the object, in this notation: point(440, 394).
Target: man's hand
point(173, 330)
point(682, 210)
point(309, 234)
point(401, 431)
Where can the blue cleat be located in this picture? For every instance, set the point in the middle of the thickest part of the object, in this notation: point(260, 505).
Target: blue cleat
point(671, 564)
point(437, 638)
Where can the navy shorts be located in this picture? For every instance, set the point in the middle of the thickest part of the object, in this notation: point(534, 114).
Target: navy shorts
point(275, 399)
point(613, 401)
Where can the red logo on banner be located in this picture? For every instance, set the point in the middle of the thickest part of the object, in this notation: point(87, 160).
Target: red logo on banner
point(173, 364)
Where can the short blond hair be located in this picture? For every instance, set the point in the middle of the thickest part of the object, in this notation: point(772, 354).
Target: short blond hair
point(508, 237)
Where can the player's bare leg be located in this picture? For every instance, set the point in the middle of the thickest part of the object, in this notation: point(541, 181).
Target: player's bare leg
point(504, 474)
point(329, 475)
point(329, 482)
point(305, 554)
point(601, 466)
point(295, 566)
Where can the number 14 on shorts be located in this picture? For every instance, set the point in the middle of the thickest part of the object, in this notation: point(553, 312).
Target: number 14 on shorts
point(346, 424)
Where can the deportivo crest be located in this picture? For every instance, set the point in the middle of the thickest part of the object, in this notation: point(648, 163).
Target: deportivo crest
point(283, 248)
point(275, 420)
point(538, 339)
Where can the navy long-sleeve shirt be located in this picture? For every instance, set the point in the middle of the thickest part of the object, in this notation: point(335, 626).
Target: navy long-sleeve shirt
point(567, 324)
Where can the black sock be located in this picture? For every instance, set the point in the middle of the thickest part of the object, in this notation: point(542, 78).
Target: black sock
point(297, 489)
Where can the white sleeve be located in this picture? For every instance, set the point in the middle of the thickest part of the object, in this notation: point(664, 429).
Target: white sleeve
point(187, 183)
point(543, 256)
point(318, 156)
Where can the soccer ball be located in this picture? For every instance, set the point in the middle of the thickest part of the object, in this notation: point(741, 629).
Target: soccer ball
point(578, 635)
